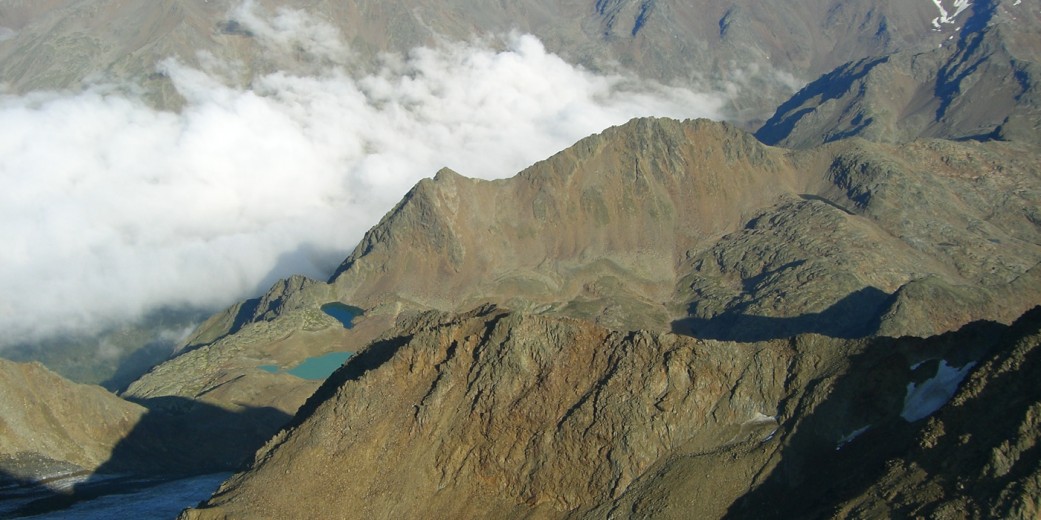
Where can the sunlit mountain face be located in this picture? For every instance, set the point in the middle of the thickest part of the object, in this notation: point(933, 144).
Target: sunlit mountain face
point(193, 154)
point(632, 237)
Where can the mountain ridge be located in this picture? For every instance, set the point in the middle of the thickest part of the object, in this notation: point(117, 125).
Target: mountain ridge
point(851, 239)
point(595, 415)
point(666, 319)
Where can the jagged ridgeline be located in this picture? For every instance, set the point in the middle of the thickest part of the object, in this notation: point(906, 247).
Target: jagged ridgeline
point(669, 319)
point(593, 394)
point(691, 227)
point(496, 414)
point(676, 229)
point(697, 227)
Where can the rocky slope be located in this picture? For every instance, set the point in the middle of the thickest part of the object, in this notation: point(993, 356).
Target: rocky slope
point(698, 318)
point(757, 51)
point(982, 84)
point(54, 430)
point(495, 413)
point(50, 426)
point(663, 225)
point(659, 220)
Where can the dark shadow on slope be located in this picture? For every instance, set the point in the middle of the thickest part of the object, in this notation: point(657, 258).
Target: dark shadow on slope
point(967, 60)
point(832, 85)
point(177, 437)
point(816, 471)
point(997, 415)
point(1005, 405)
point(26, 477)
point(184, 436)
point(855, 316)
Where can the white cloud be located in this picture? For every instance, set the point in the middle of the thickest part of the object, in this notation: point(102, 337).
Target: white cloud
point(291, 32)
point(110, 208)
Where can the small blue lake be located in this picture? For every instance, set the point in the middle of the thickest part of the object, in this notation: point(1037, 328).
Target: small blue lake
point(343, 313)
point(316, 368)
point(319, 368)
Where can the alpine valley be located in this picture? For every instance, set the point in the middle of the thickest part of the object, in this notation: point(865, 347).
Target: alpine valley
point(827, 305)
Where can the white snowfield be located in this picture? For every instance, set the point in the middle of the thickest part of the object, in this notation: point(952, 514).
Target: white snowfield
point(924, 399)
point(945, 18)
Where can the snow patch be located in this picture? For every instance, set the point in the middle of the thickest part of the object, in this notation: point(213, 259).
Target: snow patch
point(760, 419)
point(769, 436)
point(925, 398)
point(945, 18)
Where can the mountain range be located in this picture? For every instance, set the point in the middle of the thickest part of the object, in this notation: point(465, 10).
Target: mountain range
point(830, 311)
point(759, 51)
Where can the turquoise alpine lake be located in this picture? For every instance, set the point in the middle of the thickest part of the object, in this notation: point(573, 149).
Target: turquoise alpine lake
point(316, 368)
point(320, 367)
point(343, 313)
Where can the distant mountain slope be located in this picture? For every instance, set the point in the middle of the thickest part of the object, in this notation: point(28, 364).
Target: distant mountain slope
point(985, 83)
point(50, 426)
point(499, 414)
point(759, 51)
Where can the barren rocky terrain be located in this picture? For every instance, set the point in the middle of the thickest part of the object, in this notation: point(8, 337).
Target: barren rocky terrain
point(759, 51)
point(834, 313)
point(497, 413)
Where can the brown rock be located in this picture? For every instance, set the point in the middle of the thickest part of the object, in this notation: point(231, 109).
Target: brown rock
point(494, 413)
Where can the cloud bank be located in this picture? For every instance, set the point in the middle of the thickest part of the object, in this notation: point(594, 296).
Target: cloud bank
point(111, 208)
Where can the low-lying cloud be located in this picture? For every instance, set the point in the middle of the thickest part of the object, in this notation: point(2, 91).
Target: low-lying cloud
point(111, 208)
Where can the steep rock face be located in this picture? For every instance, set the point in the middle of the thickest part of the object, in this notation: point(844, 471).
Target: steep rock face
point(430, 407)
point(50, 426)
point(493, 413)
point(976, 457)
point(1003, 395)
point(600, 224)
point(981, 84)
point(628, 227)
